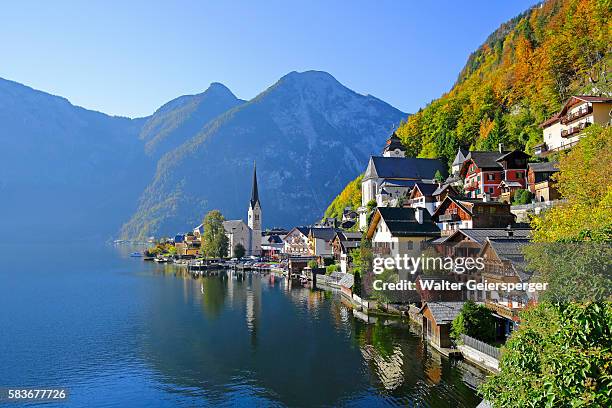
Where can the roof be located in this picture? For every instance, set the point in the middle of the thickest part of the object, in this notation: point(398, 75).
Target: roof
point(394, 142)
point(486, 160)
point(401, 222)
point(404, 168)
point(302, 230)
point(508, 183)
point(480, 235)
point(347, 281)
point(229, 225)
point(511, 249)
point(544, 167)
point(397, 183)
point(443, 312)
point(254, 189)
point(440, 189)
point(460, 157)
point(512, 153)
point(571, 102)
point(350, 235)
point(426, 189)
point(325, 233)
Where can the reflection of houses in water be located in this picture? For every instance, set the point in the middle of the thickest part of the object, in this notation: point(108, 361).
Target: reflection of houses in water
point(389, 368)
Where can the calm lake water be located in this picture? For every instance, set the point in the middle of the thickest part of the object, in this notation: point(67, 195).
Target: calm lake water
point(117, 331)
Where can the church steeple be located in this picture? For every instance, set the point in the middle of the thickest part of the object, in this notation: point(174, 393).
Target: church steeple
point(394, 147)
point(254, 190)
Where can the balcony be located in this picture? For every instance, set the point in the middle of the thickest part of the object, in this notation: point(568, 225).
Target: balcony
point(575, 129)
point(503, 310)
point(583, 111)
point(449, 217)
point(381, 251)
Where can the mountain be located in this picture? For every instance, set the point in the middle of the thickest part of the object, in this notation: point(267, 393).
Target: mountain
point(308, 134)
point(520, 76)
point(180, 119)
point(65, 170)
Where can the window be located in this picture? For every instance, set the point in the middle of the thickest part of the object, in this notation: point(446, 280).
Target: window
point(409, 245)
point(490, 177)
point(490, 189)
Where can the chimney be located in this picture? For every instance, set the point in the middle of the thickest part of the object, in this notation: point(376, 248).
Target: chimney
point(501, 147)
point(418, 214)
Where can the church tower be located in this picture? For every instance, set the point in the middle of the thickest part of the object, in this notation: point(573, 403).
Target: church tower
point(255, 217)
point(394, 147)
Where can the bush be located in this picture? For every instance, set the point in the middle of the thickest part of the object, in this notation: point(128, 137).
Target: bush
point(475, 321)
point(312, 264)
point(522, 197)
point(330, 269)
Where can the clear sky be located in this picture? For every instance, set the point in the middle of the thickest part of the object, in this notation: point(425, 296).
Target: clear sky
point(128, 58)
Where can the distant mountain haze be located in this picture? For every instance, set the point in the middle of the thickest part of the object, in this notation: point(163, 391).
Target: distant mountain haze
point(69, 172)
point(309, 135)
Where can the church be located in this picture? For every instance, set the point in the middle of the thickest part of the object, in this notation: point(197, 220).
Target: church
point(248, 235)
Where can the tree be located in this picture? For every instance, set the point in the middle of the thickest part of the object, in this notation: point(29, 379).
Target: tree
point(239, 250)
point(438, 176)
point(215, 243)
point(522, 197)
point(312, 264)
point(475, 321)
point(561, 356)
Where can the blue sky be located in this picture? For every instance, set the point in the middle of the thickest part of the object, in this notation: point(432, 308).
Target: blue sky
point(128, 59)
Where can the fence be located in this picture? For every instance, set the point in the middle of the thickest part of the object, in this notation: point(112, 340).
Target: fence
point(480, 346)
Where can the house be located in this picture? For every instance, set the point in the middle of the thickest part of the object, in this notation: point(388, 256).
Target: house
point(468, 243)
point(539, 181)
point(455, 213)
point(391, 176)
point(460, 157)
point(342, 244)
point(319, 241)
point(422, 196)
point(507, 190)
point(348, 214)
point(437, 322)
point(484, 171)
point(505, 263)
point(399, 230)
point(272, 245)
point(441, 192)
point(562, 131)
point(238, 233)
point(296, 242)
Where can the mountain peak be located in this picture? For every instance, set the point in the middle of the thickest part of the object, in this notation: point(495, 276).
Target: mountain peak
point(219, 88)
point(309, 77)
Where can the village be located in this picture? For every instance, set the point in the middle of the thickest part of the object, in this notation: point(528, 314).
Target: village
point(480, 208)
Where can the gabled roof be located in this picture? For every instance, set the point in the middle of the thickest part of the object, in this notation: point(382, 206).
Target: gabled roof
point(407, 168)
point(401, 222)
point(486, 160)
point(349, 235)
point(460, 156)
point(480, 235)
point(514, 152)
point(510, 249)
point(397, 183)
point(426, 189)
point(230, 225)
point(325, 233)
point(509, 183)
point(573, 101)
point(443, 312)
point(467, 204)
point(302, 230)
point(394, 142)
point(442, 187)
point(544, 167)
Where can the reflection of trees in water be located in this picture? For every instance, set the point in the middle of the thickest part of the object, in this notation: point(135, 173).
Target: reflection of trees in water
point(214, 290)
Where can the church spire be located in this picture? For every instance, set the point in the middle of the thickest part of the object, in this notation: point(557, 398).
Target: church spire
point(254, 190)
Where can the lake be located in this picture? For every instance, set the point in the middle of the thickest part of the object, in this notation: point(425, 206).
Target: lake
point(117, 331)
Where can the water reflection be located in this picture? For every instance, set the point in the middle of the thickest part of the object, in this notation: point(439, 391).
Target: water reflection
point(269, 339)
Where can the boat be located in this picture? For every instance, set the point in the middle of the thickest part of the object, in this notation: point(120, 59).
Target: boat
point(136, 255)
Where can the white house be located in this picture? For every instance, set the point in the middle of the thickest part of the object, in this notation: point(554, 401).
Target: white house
point(392, 175)
point(562, 131)
point(398, 231)
point(296, 242)
point(237, 233)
